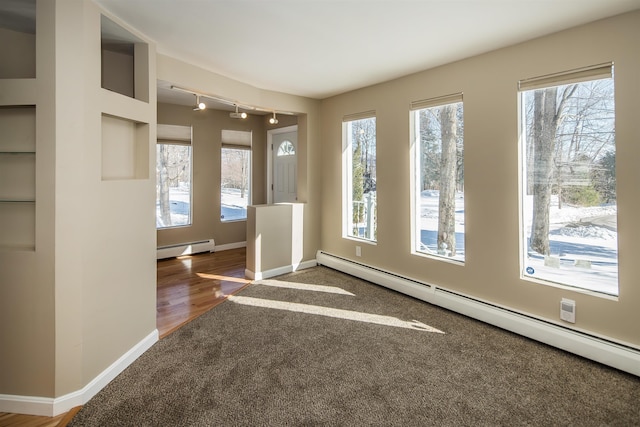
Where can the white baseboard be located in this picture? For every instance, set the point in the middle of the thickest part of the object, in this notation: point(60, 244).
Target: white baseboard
point(260, 275)
point(228, 246)
point(51, 407)
point(623, 356)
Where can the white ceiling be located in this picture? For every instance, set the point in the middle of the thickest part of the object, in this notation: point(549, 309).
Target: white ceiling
point(320, 48)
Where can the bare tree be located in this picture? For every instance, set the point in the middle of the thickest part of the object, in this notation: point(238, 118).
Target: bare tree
point(448, 172)
point(548, 114)
point(236, 169)
point(163, 184)
point(173, 169)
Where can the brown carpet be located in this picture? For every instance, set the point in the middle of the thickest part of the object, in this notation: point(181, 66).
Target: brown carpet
point(321, 361)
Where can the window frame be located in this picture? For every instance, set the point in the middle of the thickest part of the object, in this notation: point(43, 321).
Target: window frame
point(347, 176)
point(249, 179)
point(416, 174)
point(576, 76)
point(176, 135)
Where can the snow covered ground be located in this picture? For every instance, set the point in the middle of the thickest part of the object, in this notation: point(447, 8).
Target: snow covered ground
point(583, 241)
point(233, 207)
point(180, 201)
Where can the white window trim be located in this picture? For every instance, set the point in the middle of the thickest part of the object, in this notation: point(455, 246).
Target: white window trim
point(347, 178)
point(595, 72)
point(414, 171)
point(249, 180)
point(178, 135)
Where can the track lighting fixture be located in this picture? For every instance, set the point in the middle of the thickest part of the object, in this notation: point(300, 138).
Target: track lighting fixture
point(199, 105)
point(238, 115)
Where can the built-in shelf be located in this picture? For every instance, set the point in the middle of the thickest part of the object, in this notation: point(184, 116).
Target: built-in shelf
point(17, 224)
point(18, 40)
point(18, 92)
point(17, 177)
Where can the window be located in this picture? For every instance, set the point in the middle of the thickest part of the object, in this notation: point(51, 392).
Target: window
point(173, 176)
point(286, 148)
point(438, 178)
point(359, 177)
point(568, 194)
point(235, 179)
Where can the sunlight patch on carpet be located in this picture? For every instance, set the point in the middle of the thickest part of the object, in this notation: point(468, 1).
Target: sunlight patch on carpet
point(335, 313)
point(304, 287)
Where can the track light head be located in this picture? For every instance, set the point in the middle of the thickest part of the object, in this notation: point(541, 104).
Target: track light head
point(199, 104)
point(273, 119)
point(238, 115)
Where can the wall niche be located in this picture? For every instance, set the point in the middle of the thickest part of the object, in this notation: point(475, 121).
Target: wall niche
point(125, 61)
point(125, 149)
point(17, 177)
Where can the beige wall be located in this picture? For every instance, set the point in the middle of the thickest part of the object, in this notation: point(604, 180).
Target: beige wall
point(117, 72)
point(489, 84)
point(105, 304)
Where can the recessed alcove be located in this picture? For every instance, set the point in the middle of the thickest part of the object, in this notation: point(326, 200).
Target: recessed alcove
point(125, 149)
point(17, 177)
point(125, 61)
point(18, 40)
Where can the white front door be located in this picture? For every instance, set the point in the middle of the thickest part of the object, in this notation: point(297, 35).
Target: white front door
point(285, 155)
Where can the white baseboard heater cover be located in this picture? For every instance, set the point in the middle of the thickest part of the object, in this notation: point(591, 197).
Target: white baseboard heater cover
point(190, 248)
point(600, 349)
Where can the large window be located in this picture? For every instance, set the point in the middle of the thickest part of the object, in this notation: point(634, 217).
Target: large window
point(359, 177)
point(438, 178)
point(173, 176)
point(235, 177)
point(568, 196)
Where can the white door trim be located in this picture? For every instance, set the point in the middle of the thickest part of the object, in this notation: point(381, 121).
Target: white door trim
point(270, 133)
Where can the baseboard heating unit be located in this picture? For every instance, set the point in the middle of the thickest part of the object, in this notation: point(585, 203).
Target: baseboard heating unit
point(185, 249)
point(600, 349)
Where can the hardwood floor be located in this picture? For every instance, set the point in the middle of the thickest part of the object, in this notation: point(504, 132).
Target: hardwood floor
point(20, 420)
point(187, 287)
point(29, 420)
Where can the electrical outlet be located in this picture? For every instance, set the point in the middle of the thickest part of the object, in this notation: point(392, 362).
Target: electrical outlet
point(358, 251)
